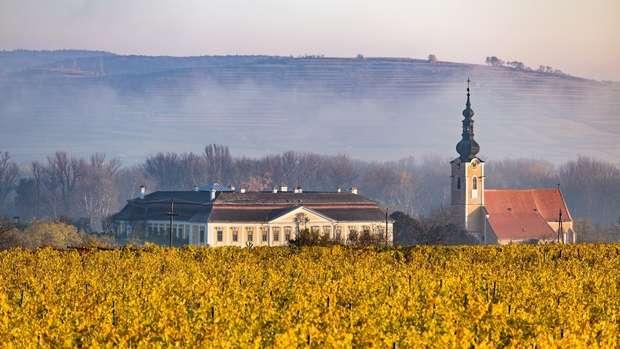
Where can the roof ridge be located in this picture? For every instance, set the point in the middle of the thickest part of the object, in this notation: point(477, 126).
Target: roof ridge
point(168, 200)
point(520, 189)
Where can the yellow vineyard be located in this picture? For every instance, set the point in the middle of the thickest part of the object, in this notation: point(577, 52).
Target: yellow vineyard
point(515, 296)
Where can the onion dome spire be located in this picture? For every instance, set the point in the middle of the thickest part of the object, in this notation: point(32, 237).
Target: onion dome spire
point(467, 147)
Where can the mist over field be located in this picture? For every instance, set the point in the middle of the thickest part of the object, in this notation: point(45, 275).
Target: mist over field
point(371, 109)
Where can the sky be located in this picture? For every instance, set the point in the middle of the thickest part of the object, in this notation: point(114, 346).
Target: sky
point(577, 36)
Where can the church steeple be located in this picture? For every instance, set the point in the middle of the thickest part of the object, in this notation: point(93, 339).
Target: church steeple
point(468, 147)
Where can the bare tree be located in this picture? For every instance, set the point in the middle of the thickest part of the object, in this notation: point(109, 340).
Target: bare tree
point(28, 198)
point(164, 169)
point(342, 171)
point(193, 170)
point(129, 180)
point(433, 184)
point(8, 178)
point(520, 173)
point(219, 162)
point(290, 163)
point(61, 178)
point(592, 188)
point(98, 192)
point(38, 173)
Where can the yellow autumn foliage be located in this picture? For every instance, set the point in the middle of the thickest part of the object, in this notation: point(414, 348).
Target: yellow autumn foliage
point(545, 296)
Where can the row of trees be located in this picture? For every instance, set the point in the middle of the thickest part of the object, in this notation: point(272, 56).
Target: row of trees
point(95, 187)
point(64, 186)
point(494, 61)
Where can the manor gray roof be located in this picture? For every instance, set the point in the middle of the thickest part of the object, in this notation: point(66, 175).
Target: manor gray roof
point(291, 198)
point(197, 206)
point(190, 196)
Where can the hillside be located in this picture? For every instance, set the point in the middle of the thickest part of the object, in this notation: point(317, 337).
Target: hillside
point(373, 108)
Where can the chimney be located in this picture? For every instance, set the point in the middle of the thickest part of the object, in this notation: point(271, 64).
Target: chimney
point(339, 190)
point(283, 188)
point(232, 188)
point(275, 190)
point(213, 192)
point(298, 190)
point(142, 192)
point(196, 188)
point(354, 190)
point(242, 190)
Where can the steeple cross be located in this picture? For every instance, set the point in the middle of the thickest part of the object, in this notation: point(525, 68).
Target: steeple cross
point(468, 81)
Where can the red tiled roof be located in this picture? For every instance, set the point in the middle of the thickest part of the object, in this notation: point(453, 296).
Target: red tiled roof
point(522, 214)
point(520, 226)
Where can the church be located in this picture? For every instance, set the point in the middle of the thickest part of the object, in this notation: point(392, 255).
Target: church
point(503, 215)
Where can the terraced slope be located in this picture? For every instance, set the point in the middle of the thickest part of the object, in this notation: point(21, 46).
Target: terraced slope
point(377, 108)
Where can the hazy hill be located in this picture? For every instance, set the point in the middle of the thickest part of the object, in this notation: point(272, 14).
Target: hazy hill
point(373, 108)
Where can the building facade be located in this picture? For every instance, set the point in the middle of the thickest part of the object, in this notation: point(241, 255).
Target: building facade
point(502, 215)
point(224, 217)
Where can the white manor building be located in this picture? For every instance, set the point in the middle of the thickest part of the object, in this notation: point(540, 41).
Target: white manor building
point(218, 216)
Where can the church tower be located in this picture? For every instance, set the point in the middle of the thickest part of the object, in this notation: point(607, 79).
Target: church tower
point(467, 178)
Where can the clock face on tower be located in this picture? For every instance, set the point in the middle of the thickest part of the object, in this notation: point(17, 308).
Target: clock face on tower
point(474, 163)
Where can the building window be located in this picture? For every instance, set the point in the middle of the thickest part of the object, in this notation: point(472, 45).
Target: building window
point(287, 233)
point(458, 183)
point(203, 231)
point(474, 187)
point(366, 229)
point(327, 230)
point(235, 234)
point(314, 229)
point(276, 233)
point(338, 231)
point(195, 230)
point(381, 230)
point(265, 234)
point(202, 237)
point(186, 232)
point(250, 233)
point(220, 234)
point(352, 229)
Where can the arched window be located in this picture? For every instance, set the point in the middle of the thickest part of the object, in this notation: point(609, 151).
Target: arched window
point(458, 183)
point(474, 183)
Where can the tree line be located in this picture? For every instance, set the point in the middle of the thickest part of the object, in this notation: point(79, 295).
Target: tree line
point(494, 61)
point(92, 188)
